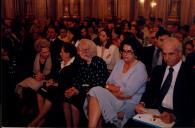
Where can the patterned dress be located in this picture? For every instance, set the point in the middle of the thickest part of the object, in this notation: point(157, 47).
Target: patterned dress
point(90, 75)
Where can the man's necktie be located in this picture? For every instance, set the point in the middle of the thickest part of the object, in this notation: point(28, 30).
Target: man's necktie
point(166, 85)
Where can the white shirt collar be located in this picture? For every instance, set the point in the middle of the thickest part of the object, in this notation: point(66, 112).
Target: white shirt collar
point(176, 67)
point(68, 63)
point(52, 40)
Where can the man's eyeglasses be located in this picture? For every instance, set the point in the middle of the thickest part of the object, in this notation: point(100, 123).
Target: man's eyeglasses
point(127, 51)
point(83, 50)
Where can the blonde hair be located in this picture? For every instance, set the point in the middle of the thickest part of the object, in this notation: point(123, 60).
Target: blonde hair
point(40, 43)
point(91, 46)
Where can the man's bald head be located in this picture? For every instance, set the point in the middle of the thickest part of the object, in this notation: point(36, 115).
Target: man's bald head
point(172, 51)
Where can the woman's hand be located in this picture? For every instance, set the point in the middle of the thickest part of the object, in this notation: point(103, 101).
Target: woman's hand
point(71, 92)
point(39, 76)
point(121, 96)
point(50, 82)
point(112, 87)
point(115, 90)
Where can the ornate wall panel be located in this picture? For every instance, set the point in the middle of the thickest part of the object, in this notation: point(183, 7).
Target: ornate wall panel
point(74, 8)
point(82, 3)
point(60, 8)
point(183, 10)
point(192, 12)
point(124, 9)
point(9, 8)
point(88, 8)
point(66, 10)
point(41, 8)
point(174, 11)
point(162, 8)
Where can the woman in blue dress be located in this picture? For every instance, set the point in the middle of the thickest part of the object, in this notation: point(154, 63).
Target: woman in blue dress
point(125, 86)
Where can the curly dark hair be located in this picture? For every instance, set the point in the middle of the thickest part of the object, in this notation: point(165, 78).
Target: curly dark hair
point(70, 48)
point(134, 45)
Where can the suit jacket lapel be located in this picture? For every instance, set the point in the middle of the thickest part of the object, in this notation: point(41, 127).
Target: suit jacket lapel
point(178, 84)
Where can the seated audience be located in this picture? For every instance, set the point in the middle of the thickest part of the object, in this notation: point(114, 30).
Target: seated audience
point(103, 46)
point(91, 31)
point(192, 31)
point(152, 55)
point(108, 50)
point(55, 47)
point(39, 43)
point(169, 87)
point(190, 62)
point(83, 34)
point(92, 72)
point(188, 47)
point(65, 35)
point(125, 86)
point(41, 70)
point(115, 54)
point(56, 93)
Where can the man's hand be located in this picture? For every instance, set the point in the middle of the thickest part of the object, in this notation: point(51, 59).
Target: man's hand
point(139, 108)
point(167, 117)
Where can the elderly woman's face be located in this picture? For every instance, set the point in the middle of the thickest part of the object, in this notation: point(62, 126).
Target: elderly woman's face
point(127, 53)
point(44, 53)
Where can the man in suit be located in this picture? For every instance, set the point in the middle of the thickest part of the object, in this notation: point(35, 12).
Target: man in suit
point(152, 54)
point(174, 103)
point(190, 62)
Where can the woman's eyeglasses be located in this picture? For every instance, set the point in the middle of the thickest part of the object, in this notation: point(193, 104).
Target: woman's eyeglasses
point(127, 51)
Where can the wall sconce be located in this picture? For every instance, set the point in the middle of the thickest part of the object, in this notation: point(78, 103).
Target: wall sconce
point(142, 1)
point(153, 4)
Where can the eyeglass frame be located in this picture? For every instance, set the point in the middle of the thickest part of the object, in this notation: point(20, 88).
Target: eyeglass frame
point(127, 51)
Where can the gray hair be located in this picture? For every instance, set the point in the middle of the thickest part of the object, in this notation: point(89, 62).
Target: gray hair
point(174, 41)
point(91, 46)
